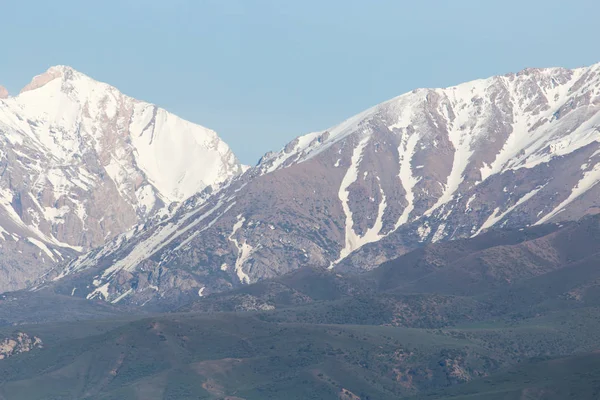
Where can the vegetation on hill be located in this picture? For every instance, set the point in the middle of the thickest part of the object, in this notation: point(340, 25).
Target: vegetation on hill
point(508, 315)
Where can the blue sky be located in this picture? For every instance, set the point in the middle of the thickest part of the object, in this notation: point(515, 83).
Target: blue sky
point(261, 72)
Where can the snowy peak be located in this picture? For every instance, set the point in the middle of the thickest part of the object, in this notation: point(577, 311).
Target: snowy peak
point(3, 93)
point(530, 91)
point(179, 158)
point(81, 162)
point(63, 73)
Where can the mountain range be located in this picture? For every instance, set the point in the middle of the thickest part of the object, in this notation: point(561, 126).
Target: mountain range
point(430, 165)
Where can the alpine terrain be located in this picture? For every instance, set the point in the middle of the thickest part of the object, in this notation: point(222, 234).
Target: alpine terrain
point(431, 165)
point(81, 163)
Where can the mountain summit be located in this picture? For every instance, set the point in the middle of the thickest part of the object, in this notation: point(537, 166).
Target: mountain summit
point(81, 162)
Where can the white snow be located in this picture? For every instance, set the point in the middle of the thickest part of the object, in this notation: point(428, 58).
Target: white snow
point(407, 179)
point(526, 149)
point(178, 157)
point(42, 246)
point(146, 198)
point(65, 114)
point(496, 216)
point(469, 201)
point(3, 233)
point(352, 240)
point(244, 251)
point(160, 239)
point(121, 297)
point(100, 291)
point(439, 233)
point(588, 181)
point(196, 233)
point(462, 140)
point(423, 231)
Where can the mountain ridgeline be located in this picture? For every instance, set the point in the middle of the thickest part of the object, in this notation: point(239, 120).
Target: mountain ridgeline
point(430, 165)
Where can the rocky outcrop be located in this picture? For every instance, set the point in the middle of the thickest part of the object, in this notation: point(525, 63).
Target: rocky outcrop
point(18, 343)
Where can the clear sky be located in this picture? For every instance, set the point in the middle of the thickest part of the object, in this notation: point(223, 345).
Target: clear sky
point(261, 72)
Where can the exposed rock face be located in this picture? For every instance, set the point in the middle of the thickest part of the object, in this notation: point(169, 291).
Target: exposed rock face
point(429, 165)
point(20, 342)
point(3, 93)
point(81, 163)
point(48, 76)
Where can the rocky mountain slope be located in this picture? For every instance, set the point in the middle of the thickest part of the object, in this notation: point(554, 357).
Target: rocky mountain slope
point(430, 165)
point(81, 162)
point(508, 273)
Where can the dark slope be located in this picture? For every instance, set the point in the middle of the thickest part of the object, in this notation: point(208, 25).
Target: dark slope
point(575, 377)
point(27, 307)
point(190, 356)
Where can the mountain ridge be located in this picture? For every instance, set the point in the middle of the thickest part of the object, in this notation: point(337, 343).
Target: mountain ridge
point(426, 166)
point(80, 163)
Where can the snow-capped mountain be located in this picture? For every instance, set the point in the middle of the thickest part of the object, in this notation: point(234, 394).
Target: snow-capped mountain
point(429, 165)
point(81, 163)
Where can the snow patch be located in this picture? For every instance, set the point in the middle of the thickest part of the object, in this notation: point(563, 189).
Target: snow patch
point(497, 216)
point(406, 150)
point(439, 233)
point(353, 241)
point(121, 297)
point(100, 291)
point(244, 251)
point(588, 181)
point(42, 246)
